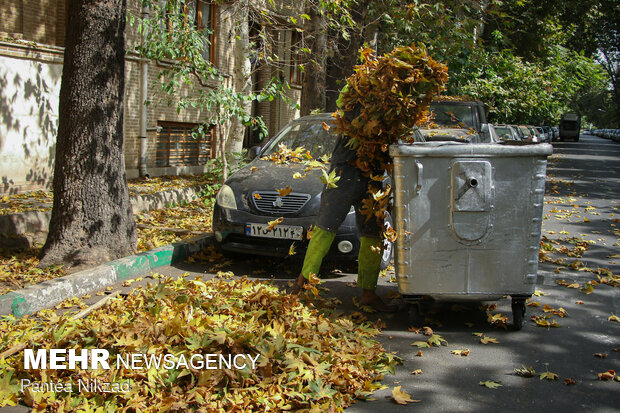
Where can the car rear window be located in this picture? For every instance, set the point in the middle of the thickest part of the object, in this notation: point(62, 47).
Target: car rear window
point(452, 115)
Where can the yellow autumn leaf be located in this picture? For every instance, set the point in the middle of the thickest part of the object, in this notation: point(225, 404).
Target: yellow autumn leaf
point(285, 191)
point(491, 384)
point(437, 340)
point(487, 340)
point(416, 372)
point(401, 397)
point(608, 375)
point(463, 353)
point(588, 288)
point(272, 224)
point(257, 195)
point(329, 180)
point(291, 250)
point(614, 317)
point(544, 321)
point(549, 376)
point(525, 371)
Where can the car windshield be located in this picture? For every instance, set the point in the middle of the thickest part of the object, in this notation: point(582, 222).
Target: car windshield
point(504, 132)
point(310, 134)
point(452, 115)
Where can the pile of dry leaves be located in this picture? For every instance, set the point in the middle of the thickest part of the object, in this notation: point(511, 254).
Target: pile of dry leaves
point(305, 359)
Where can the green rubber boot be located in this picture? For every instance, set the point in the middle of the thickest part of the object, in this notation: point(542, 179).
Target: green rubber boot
point(369, 263)
point(317, 249)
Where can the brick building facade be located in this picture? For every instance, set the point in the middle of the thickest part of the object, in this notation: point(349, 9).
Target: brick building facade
point(32, 37)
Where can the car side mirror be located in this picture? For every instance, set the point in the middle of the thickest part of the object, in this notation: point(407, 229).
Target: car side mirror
point(253, 152)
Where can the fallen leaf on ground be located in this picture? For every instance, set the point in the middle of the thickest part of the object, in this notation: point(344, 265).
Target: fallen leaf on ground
point(463, 353)
point(487, 340)
point(600, 355)
point(401, 397)
point(416, 372)
point(608, 375)
point(491, 384)
point(549, 376)
point(525, 371)
point(544, 321)
point(570, 380)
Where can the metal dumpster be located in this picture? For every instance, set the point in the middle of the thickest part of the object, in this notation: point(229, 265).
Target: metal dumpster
point(469, 221)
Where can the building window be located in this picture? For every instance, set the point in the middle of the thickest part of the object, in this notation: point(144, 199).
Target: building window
point(296, 59)
point(205, 20)
point(200, 14)
point(183, 144)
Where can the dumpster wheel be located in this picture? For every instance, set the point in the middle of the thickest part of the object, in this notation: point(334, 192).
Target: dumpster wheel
point(415, 314)
point(518, 312)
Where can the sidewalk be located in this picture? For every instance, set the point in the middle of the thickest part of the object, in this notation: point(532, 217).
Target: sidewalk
point(49, 293)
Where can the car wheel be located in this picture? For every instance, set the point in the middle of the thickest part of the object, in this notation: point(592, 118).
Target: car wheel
point(388, 247)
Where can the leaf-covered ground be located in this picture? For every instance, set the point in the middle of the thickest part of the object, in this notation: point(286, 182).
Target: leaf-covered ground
point(307, 359)
point(156, 228)
point(43, 200)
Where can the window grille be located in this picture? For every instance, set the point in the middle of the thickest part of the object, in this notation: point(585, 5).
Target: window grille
point(182, 144)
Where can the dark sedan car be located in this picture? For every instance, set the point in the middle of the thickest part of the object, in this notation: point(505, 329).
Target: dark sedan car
point(283, 181)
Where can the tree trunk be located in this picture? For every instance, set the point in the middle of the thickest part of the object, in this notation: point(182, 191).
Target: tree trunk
point(92, 219)
point(313, 91)
point(242, 82)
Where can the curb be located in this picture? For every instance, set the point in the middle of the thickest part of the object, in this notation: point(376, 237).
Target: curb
point(49, 293)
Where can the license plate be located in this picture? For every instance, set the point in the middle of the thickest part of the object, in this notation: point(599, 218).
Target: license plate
point(280, 231)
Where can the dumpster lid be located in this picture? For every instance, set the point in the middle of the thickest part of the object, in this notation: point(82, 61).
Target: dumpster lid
point(452, 149)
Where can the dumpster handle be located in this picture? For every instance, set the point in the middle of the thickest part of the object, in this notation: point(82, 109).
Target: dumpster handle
point(420, 169)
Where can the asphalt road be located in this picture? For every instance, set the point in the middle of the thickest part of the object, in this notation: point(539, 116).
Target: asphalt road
point(582, 203)
point(581, 206)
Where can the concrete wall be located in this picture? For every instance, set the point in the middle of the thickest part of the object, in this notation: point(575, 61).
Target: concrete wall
point(29, 90)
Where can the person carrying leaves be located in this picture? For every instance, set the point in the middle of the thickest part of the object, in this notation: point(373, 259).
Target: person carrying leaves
point(380, 105)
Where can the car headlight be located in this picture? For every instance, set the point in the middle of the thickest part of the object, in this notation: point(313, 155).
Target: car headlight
point(226, 198)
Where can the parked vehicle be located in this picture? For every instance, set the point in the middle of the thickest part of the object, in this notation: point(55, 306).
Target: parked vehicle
point(534, 135)
point(250, 198)
point(544, 137)
point(459, 121)
point(549, 133)
point(507, 133)
point(570, 126)
point(556, 133)
point(526, 134)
